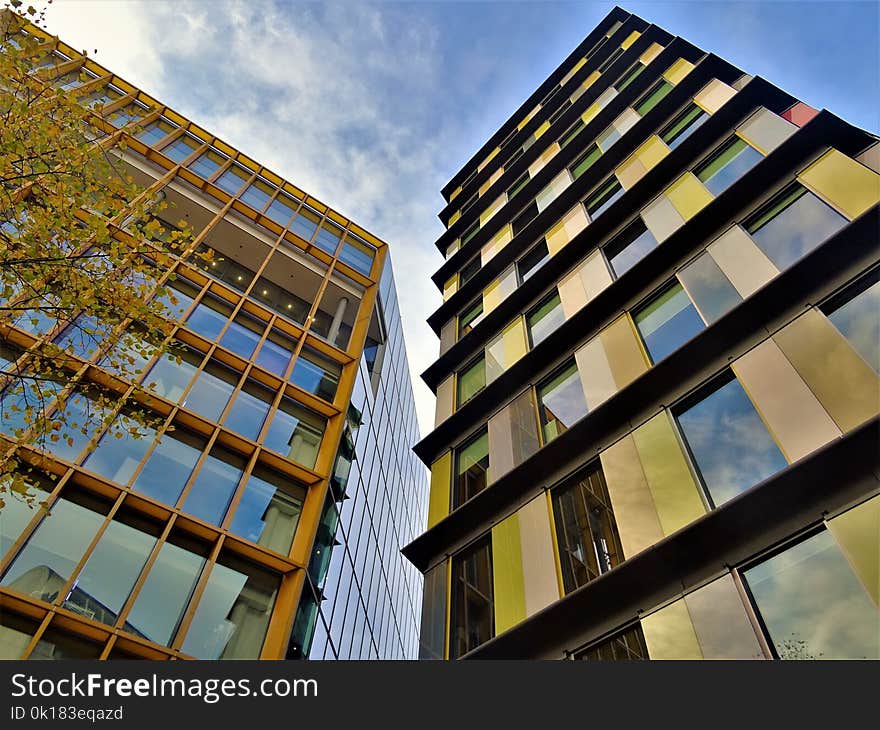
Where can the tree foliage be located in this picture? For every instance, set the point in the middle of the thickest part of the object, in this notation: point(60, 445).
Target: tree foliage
point(82, 253)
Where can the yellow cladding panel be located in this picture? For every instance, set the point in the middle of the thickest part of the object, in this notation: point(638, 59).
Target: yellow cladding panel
point(538, 560)
point(450, 287)
point(493, 208)
point(553, 190)
point(721, 623)
point(455, 193)
point(796, 419)
point(625, 121)
point(654, 50)
point(669, 633)
point(505, 349)
point(850, 187)
point(491, 181)
point(594, 370)
point(676, 494)
point(678, 70)
point(630, 172)
point(714, 95)
point(844, 383)
point(545, 157)
point(541, 129)
point(499, 241)
point(489, 158)
point(454, 217)
point(528, 118)
point(577, 67)
point(445, 402)
point(508, 584)
point(584, 283)
point(857, 531)
point(499, 290)
point(743, 263)
point(661, 218)
point(631, 499)
point(604, 98)
point(688, 195)
point(590, 80)
point(624, 351)
point(765, 131)
point(573, 223)
point(630, 39)
point(652, 151)
point(441, 478)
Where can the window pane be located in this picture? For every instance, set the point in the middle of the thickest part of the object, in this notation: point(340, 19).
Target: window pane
point(628, 645)
point(57, 644)
point(233, 612)
point(533, 260)
point(586, 161)
point(471, 268)
point(81, 418)
point(653, 97)
point(209, 316)
point(84, 337)
point(571, 132)
point(358, 256)
point(213, 488)
point(812, 604)
point(168, 378)
point(212, 390)
point(249, 410)
point(305, 224)
point(156, 132)
point(328, 237)
point(181, 148)
point(295, 433)
point(470, 318)
point(316, 374)
point(857, 320)
point(119, 451)
point(728, 165)
point(257, 195)
point(269, 510)
point(16, 633)
point(169, 466)
point(472, 468)
point(471, 381)
point(794, 226)
point(604, 198)
point(585, 529)
point(243, 334)
point(178, 298)
point(684, 126)
point(545, 319)
point(629, 76)
point(165, 593)
point(473, 612)
point(561, 402)
point(207, 164)
point(17, 513)
point(129, 356)
point(630, 248)
point(730, 443)
point(282, 209)
point(668, 322)
point(275, 352)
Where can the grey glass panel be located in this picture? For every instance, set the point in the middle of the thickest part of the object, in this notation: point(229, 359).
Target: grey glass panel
point(357, 258)
point(50, 555)
point(813, 604)
point(433, 628)
point(211, 391)
point(709, 287)
point(120, 450)
point(667, 322)
point(155, 132)
point(206, 165)
point(295, 432)
point(255, 196)
point(561, 402)
point(232, 179)
point(328, 237)
point(859, 322)
point(304, 225)
point(730, 443)
point(243, 335)
point(630, 248)
point(268, 513)
point(17, 512)
point(168, 378)
point(275, 353)
point(209, 496)
point(106, 580)
point(797, 230)
point(249, 410)
point(169, 466)
point(233, 612)
point(165, 593)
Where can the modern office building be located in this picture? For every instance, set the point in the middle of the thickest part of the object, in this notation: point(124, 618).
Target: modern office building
point(657, 390)
point(264, 517)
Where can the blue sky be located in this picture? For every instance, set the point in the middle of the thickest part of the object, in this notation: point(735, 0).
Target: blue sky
point(373, 107)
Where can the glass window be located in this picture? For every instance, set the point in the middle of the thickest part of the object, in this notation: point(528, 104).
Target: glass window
point(258, 194)
point(127, 115)
point(280, 300)
point(157, 131)
point(214, 485)
point(683, 126)
point(129, 356)
point(233, 178)
point(469, 319)
point(603, 198)
point(120, 449)
point(471, 468)
point(728, 165)
point(561, 402)
point(813, 605)
point(181, 148)
point(166, 591)
point(471, 380)
point(80, 418)
point(537, 256)
point(586, 532)
point(729, 442)
point(51, 554)
point(275, 352)
point(316, 374)
point(667, 322)
point(16, 633)
point(212, 390)
point(269, 510)
point(249, 409)
point(105, 582)
point(653, 97)
point(282, 209)
point(630, 247)
point(524, 218)
point(585, 161)
point(18, 511)
point(84, 337)
point(855, 315)
point(468, 271)
point(473, 609)
point(520, 183)
point(168, 378)
point(358, 255)
point(606, 64)
point(295, 433)
point(306, 223)
point(792, 225)
point(231, 619)
point(177, 297)
point(243, 334)
point(470, 232)
point(544, 319)
point(628, 645)
point(630, 76)
point(571, 132)
point(169, 466)
point(208, 163)
point(210, 316)
point(328, 237)
point(56, 644)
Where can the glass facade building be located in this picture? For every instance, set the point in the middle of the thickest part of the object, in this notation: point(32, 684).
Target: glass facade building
point(277, 474)
point(658, 383)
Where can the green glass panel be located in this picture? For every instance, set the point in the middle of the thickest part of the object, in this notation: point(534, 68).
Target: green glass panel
point(653, 98)
point(723, 158)
point(592, 154)
point(630, 76)
point(471, 381)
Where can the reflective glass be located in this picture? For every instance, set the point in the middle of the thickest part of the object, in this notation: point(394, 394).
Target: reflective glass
point(275, 352)
point(328, 237)
point(282, 209)
point(295, 433)
point(129, 356)
point(249, 409)
point(209, 316)
point(156, 132)
point(181, 148)
point(243, 335)
point(168, 378)
point(728, 165)
point(120, 450)
point(585, 161)
point(207, 164)
point(212, 390)
point(468, 319)
point(269, 510)
point(257, 195)
point(80, 418)
point(84, 337)
point(178, 298)
point(667, 322)
point(305, 224)
point(315, 374)
point(17, 512)
point(212, 489)
point(683, 126)
point(56, 644)
point(473, 609)
point(813, 605)
point(359, 257)
point(858, 321)
point(232, 179)
point(169, 466)
point(545, 319)
point(709, 287)
point(471, 381)
point(793, 226)
point(561, 402)
point(653, 97)
point(630, 247)
point(730, 444)
point(533, 260)
point(604, 198)
point(472, 468)
point(16, 633)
